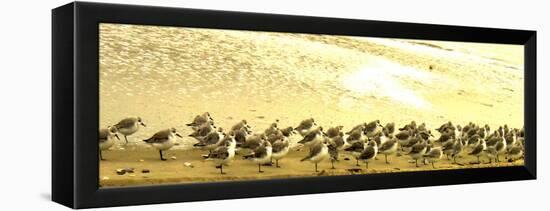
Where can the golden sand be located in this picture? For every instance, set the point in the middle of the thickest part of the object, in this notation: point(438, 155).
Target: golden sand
point(175, 171)
point(167, 75)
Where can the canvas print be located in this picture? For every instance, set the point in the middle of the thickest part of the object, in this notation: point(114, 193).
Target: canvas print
point(183, 105)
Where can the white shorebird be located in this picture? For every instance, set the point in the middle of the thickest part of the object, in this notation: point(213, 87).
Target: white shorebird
point(106, 140)
point(372, 128)
point(317, 153)
point(434, 155)
point(313, 137)
point(515, 153)
point(261, 155)
point(458, 148)
point(356, 148)
point(203, 130)
point(163, 140)
point(369, 153)
point(403, 137)
point(224, 153)
point(280, 149)
point(387, 148)
point(210, 141)
point(200, 120)
point(305, 126)
point(129, 126)
point(242, 124)
point(418, 150)
point(479, 150)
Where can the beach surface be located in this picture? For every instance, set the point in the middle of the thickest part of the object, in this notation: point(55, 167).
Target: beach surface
point(168, 75)
point(198, 170)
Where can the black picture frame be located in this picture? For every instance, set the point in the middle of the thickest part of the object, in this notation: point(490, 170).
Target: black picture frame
point(75, 104)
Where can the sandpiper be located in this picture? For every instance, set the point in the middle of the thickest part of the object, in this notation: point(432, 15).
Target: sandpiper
point(272, 129)
point(515, 153)
point(210, 141)
point(163, 140)
point(418, 150)
point(106, 139)
point(356, 148)
point(433, 155)
point(280, 149)
point(390, 128)
point(334, 131)
point(372, 128)
point(241, 136)
point(254, 141)
point(479, 150)
point(202, 130)
point(403, 137)
point(387, 148)
point(224, 153)
point(129, 126)
point(313, 137)
point(317, 153)
point(200, 120)
point(261, 155)
point(496, 146)
point(241, 124)
point(457, 150)
point(333, 152)
point(411, 126)
point(305, 126)
point(369, 153)
point(447, 148)
point(357, 128)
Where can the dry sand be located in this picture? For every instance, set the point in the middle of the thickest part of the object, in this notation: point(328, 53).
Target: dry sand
point(167, 75)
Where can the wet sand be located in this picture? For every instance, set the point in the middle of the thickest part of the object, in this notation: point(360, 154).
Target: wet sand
point(174, 171)
point(167, 75)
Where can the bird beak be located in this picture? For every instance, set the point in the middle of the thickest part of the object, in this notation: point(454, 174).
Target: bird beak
point(143, 124)
point(116, 135)
point(177, 134)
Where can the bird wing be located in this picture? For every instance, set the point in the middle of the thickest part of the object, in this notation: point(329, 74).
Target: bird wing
point(260, 152)
point(387, 145)
point(309, 137)
point(212, 138)
point(477, 150)
point(279, 146)
point(219, 153)
point(368, 153)
point(126, 123)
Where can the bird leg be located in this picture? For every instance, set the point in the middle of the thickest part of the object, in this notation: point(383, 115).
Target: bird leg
point(260, 168)
point(367, 165)
point(277, 164)
point(416, 161)
point(125, 138)
point(386, 156)
point(433, 166)
point(221, 169)
point(100, 155)
point(357, 163)
point(316, 168)
point(161, 158)
point(332, 162)
point(478, 160)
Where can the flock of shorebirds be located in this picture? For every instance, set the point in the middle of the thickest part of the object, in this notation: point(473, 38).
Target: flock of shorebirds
point(364, 142)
